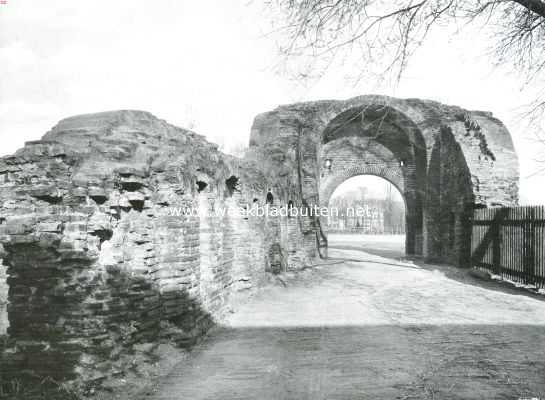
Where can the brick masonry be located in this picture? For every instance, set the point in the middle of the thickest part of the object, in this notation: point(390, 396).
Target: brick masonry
point(445, 160)
point(3, 300)
point(97, 262)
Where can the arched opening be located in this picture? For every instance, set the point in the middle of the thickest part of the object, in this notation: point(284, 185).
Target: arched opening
point(367, 212)
point(290, 208)
point(378, 140)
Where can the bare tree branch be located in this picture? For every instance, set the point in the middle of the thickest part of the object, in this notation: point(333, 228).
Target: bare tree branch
point(387, 33)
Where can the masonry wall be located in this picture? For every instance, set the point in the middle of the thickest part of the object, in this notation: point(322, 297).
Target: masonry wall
point(354, 156)
point(3, 300)
point(488, 158)
point(100, 255)
point(101, 251)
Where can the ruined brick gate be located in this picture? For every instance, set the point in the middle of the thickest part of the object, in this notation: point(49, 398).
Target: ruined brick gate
point(445, 161)
point(99, 257)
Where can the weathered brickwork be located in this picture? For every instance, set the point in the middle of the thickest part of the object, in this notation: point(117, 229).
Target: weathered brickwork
point(3, 300)
point(355, 156)
point(444, 159)
point(100, 255)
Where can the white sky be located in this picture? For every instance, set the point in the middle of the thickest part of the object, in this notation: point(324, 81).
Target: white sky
point(208, 64)
point(376, 187)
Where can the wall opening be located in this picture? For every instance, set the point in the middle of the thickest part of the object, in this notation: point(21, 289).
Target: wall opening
point(232, 185)
point(290, 208)
point(269, 199)
point(367, 213)
point(377, 139)
point(201, 185)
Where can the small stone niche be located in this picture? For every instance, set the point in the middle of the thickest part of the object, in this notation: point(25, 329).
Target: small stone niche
point(269, 199)
point(201, 185)
point(232, 185)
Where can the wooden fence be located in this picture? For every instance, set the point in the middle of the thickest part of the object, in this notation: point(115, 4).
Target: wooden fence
point(510, 242)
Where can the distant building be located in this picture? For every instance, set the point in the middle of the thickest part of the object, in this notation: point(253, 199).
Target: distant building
point(367, 219)
point(362, 219)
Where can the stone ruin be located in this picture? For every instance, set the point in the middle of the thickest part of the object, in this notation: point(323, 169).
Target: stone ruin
point(98, 260)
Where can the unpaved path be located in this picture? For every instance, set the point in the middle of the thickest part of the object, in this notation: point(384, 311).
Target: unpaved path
point(370, 330)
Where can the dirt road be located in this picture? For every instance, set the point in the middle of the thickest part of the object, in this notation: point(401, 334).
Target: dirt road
point(370, 330)
point(391, 246)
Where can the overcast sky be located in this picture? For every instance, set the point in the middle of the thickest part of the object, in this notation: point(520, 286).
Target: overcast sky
point(377, 188)
point(206, 63)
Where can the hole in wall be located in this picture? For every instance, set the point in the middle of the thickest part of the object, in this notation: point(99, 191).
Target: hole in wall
point(103, 235)
point(51, 199)
point(270, 198)
point(137, 205)
point(232, 185)
point(99, 199)
point(201, 185)
point(131, 186)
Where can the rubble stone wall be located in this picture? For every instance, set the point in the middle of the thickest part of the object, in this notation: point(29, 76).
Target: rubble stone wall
point(104, 248)
point(118, 229)
point(3, 300)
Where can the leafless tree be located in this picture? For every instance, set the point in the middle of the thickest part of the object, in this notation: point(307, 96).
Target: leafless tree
point(387, 32)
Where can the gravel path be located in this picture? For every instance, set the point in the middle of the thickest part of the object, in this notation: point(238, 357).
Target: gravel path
point(377, 329)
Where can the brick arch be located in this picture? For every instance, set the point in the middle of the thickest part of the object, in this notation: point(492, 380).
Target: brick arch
point(386, 172)
point(384, 127)
point(485, 143)
point(375, 109)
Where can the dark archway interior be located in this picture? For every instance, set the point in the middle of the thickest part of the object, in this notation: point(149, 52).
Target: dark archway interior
point(399, 134)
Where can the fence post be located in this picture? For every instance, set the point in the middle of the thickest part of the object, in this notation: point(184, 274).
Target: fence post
point(528, 247)
point(496, 242)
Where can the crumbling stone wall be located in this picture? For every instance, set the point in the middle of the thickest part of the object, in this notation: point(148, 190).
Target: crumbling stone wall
point(100, 253)
point(410, 129)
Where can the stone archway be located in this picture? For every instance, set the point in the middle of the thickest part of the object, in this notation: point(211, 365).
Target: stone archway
point(377, 140)
point(396, 139)
point(344, 169)
point(366, 210)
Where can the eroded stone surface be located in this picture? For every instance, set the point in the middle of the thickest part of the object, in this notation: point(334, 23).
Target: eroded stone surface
point(446, 161)
point(99, 252)
point(3, 300)
point(102, 253)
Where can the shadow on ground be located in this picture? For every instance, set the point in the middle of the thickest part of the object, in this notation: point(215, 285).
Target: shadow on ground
point(363, 362)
